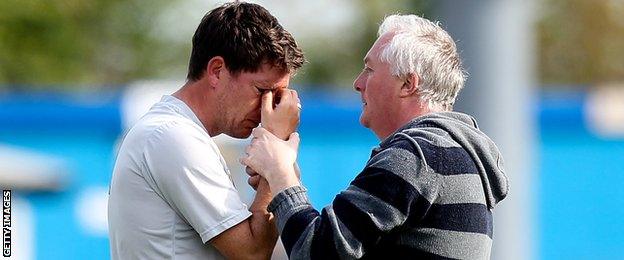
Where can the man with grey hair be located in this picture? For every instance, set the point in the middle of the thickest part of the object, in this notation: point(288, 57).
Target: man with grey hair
point(427, 191)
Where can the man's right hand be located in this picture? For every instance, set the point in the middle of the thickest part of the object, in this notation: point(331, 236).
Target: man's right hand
point(283, 119)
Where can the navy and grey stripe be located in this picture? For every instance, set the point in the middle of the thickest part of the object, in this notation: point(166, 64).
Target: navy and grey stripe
point(418, 196)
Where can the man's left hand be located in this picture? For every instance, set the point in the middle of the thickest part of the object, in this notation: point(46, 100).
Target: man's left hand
point(283, 119)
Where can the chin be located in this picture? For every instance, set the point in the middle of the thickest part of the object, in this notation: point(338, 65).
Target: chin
point(242, 134)
point(364, 122)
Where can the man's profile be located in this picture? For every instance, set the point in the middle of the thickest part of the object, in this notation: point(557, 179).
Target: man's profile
point(429, 188)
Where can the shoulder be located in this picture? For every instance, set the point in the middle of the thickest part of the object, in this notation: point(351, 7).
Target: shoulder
point(178, 150)
point(399, 146)
point(437, 149)
point(178, 140)
point(176, 131)
point(416, 149)
point(397, 155)
point(399, 166)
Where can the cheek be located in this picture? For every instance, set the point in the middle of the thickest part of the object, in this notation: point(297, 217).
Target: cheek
point(251, 102)
point(256, 105)
point(379, 99)
point(373, 90)
point(253, 108)
point(375, 82)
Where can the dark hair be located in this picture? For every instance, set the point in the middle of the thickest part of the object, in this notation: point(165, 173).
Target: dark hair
point(246, 36)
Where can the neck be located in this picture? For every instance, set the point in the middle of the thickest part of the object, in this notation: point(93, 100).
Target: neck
point(200, 98)
point(408, 110)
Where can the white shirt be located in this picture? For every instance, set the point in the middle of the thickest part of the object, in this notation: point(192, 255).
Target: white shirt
point(171, 191)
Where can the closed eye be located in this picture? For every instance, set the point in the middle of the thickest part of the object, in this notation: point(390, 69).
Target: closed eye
point(260, 90)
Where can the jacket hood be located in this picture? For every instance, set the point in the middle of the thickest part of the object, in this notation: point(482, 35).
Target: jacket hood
point(463, 129)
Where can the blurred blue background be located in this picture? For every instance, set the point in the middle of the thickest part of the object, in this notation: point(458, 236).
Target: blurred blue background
point(546, 83)
point(578, 177)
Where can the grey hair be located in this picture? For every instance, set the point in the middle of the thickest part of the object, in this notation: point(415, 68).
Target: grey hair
point(423, 48)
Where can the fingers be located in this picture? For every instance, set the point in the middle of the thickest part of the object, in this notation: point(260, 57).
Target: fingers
point(283, 118)
point(258, 132)
point(248, 148)
point(250, 171)
point(289, 98)
point(244, 161)
point(295, 99)
point(249, 163)
point(295, 96)
point(253, 181)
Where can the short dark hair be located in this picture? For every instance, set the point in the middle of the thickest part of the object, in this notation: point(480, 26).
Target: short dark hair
point(246, 36)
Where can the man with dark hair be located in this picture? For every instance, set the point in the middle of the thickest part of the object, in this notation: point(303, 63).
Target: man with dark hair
point(171, 196)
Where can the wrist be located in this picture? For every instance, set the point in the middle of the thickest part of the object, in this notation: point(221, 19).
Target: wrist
point(283, 182)
point(281, 135)
point(263, 197)
point(276, 132)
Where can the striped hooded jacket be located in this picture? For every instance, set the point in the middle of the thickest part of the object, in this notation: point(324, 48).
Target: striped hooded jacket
point(427, 191)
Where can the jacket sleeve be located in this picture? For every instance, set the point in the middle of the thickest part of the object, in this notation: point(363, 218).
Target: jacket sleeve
point(393, 189)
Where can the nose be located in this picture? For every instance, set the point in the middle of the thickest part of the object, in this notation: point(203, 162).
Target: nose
point(358, 83)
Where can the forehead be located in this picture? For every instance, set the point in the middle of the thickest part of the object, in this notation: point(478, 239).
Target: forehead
point(267, 76)
point(378, 46)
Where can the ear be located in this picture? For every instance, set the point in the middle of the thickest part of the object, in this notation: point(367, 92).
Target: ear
point(410, 86)
point(215, 70)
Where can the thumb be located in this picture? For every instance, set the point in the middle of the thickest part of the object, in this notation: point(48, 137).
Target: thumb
point(267, 102)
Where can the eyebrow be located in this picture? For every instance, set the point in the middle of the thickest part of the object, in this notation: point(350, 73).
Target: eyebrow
point(366, 59)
